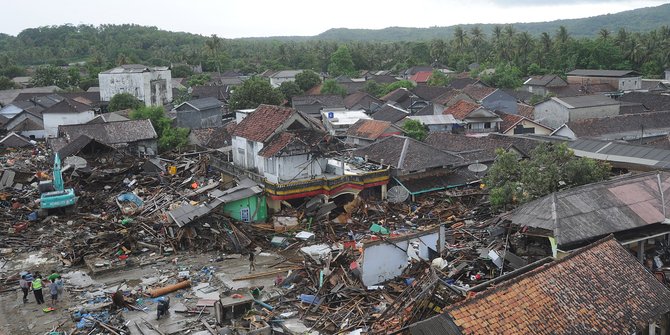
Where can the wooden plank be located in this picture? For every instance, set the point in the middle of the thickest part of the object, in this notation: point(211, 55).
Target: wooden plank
point(266, 274)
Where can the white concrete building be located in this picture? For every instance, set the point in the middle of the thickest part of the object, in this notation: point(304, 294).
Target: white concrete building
point(153, 86)
point(64, 113)
point(282, 76)
point(558, 111)
point(338, 120)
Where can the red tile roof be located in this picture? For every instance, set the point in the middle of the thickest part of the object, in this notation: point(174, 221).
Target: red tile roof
point(372, 129)
point(263, 122)
point(509, 121)
point(526, 110)
point(477, 92)
point(601, 289)
point(421, 77)
point(306, 139)
point(461, 109)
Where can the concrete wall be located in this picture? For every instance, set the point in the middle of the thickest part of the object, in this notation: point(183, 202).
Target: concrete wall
point(136, 84)
point(551, 113)
point(53, 120)
point(622, 84)
point(194, 119)
point(153, 88)
point(385, 261)
point(146, 147)
point(594, 112)
point(628, 84)
point(300, 167)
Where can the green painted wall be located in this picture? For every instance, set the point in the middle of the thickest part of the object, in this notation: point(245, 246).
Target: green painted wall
point(258, 209)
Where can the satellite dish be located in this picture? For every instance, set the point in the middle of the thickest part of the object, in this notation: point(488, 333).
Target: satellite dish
point(397, 194)
point(477, 167)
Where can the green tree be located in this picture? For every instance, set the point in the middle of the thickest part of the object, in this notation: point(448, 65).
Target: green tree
point(330, 86)
point(415, 129)
point(50, 75)
point(341, 62)
point(552, 167)
point(181, 71)
point(6, 83)
point(396, 85)
point(173, 138)
point(505, 76)
point(438, 78)
point(289, 89)
point(199, 79)
point(307, 79)
point(154, 113)
point(373, 88)
point(253, 92)
point(123, 101)
point(168, 137)
point(182, 96)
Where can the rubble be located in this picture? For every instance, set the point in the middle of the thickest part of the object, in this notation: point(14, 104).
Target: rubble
point(315, 275)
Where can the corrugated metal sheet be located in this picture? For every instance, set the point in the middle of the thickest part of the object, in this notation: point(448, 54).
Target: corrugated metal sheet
point(598, 209)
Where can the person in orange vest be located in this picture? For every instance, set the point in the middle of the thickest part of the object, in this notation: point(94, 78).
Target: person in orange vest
point(37, 289)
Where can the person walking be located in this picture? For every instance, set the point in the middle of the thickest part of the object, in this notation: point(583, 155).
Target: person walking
point(37, 289)
point(252, 261)
point(24, 283)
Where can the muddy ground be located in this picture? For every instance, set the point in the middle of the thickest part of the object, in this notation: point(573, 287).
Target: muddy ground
point(18, 318)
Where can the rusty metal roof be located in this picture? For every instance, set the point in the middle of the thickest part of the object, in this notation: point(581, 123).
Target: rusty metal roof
point(586, 212)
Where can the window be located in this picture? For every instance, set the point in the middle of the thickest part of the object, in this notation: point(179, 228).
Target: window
point(487, 125)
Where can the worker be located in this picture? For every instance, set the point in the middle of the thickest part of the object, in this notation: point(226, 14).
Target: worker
point(24, 283)
point(37, 289)
point(163, 307)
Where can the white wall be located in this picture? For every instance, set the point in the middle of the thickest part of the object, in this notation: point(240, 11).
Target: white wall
point(300, 167)
point(385, 261)
point(53, 120)
point(551, 113)
point(136, 84)
point(632, 83)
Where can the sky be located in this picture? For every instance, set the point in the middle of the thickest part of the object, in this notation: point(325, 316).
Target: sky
point(259, 18)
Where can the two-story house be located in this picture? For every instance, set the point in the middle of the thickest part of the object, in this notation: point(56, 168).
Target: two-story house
point(292, 154)
point(153, 86)
point(477, 118)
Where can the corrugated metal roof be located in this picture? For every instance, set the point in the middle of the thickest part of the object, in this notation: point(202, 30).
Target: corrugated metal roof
point(603, 73)
point(622, 153)
point(586, 101)
point(598, 209)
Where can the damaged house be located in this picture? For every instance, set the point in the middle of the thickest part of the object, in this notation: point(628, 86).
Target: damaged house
point(417, 167)
point(137, 137)
point(295, 157)
point(153, 86)
point(632, 207)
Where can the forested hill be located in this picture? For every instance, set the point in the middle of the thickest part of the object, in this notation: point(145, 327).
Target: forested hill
point(637, 20)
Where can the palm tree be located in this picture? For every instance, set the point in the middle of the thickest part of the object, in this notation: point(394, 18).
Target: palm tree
point(562, 35)
point(604, 34)
point(524, 45)
point(460, 40)
point(477, 41)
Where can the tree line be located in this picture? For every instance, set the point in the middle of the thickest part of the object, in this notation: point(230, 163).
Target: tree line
point(92, 49)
